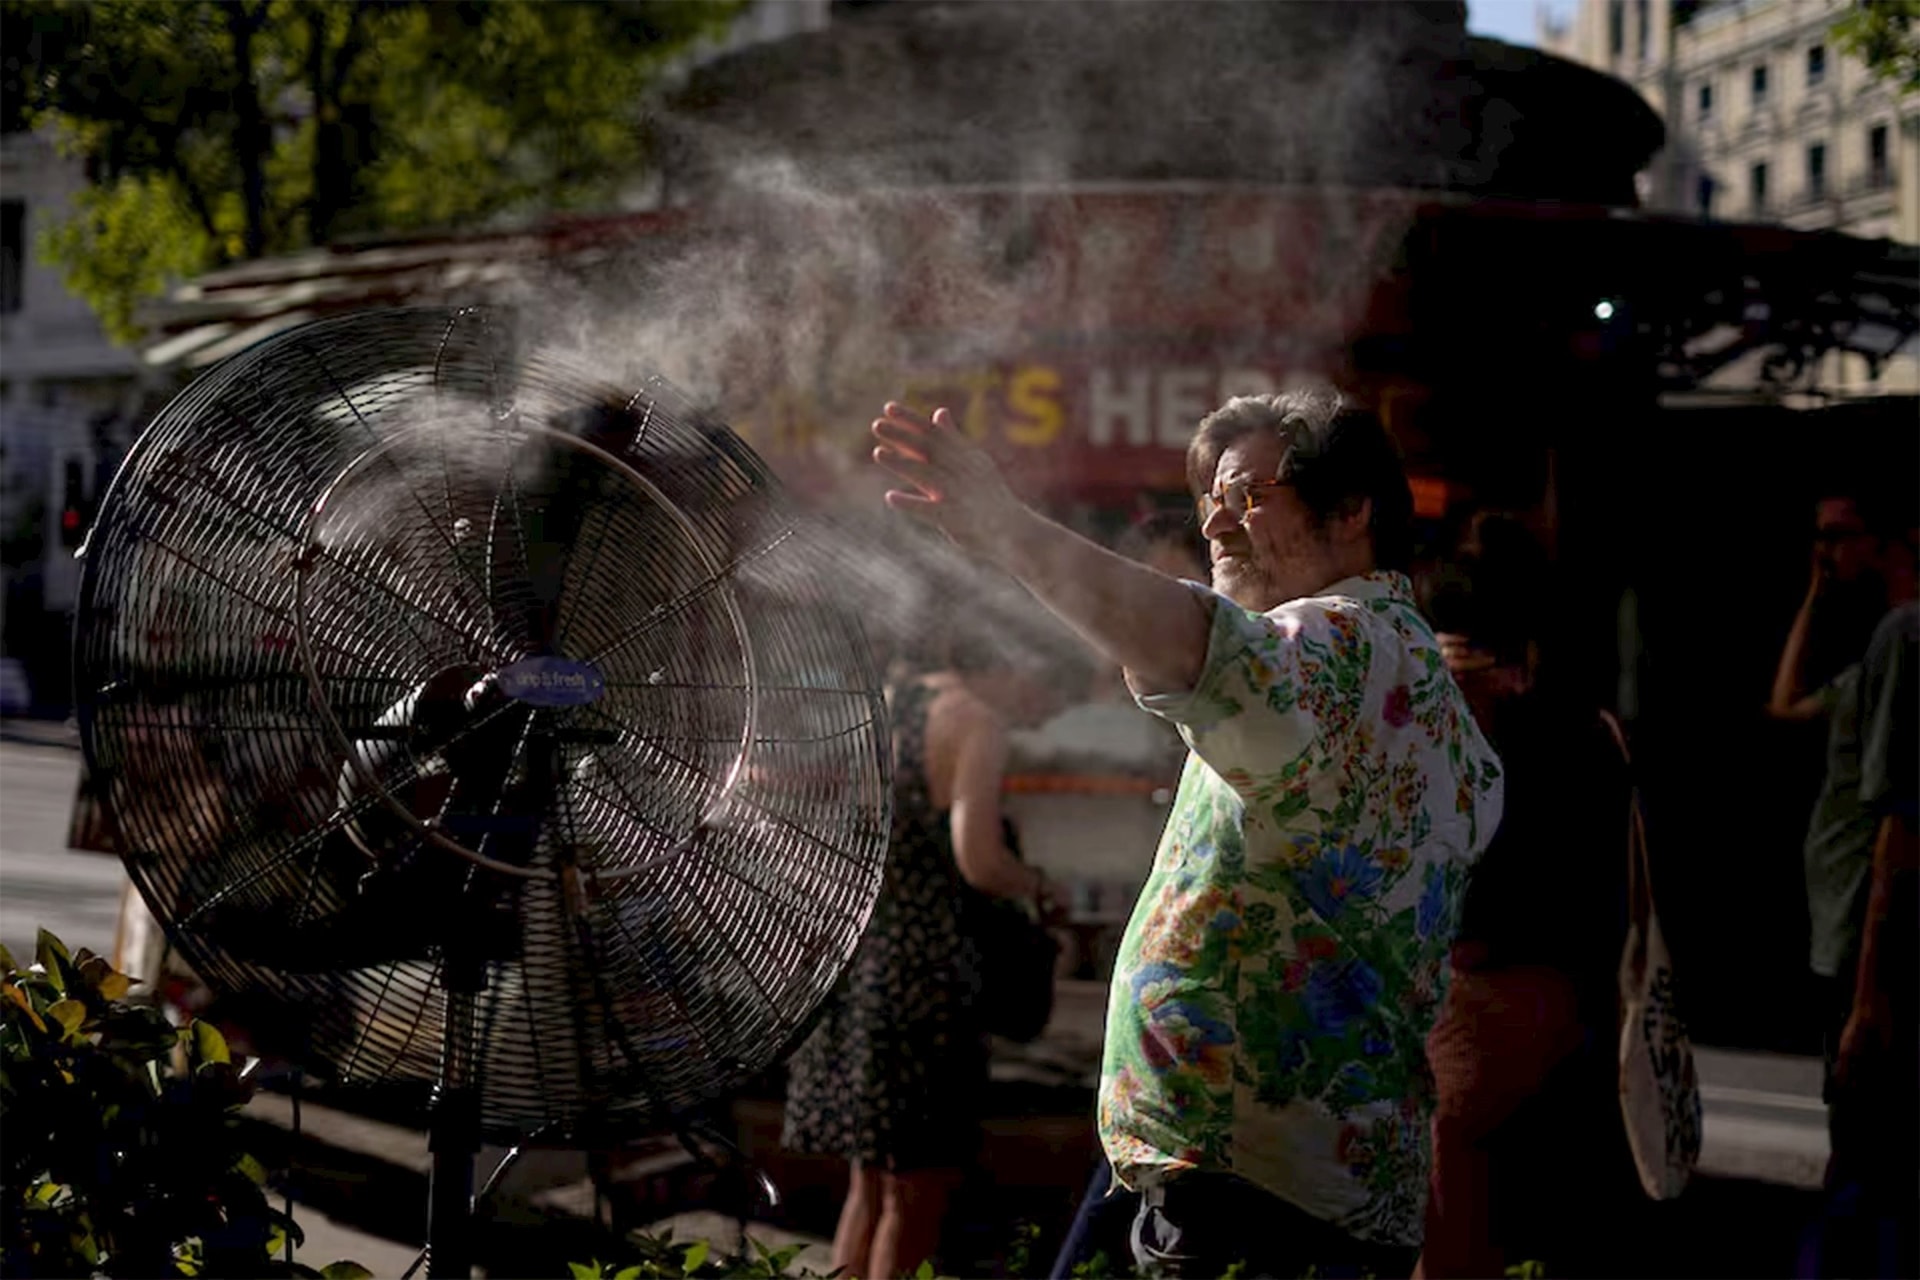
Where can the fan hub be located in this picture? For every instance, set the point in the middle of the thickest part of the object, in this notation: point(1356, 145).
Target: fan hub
point(552, 681)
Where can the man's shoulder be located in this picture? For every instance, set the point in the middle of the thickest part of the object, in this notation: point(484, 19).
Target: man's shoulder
point(1381, 595)
point(1899, 630)
point(1902, 623)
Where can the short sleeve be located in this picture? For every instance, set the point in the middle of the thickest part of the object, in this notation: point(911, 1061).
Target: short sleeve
point(1890, 716)
point(1244, 716)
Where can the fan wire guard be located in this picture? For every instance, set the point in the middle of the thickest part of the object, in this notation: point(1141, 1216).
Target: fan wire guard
point(409, 658)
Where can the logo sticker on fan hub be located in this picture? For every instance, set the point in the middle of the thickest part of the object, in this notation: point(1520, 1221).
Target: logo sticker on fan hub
point(552, 682)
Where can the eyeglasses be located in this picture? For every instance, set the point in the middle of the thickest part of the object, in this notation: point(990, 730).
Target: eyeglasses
point(1238, 497)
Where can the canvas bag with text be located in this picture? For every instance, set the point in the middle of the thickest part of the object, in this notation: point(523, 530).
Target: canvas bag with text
point(1659, 1087)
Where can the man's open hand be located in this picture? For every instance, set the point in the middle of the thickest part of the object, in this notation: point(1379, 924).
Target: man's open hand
point(952, 483)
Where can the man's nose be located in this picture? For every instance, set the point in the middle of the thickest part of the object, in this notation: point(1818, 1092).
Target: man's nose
point(1219, 521)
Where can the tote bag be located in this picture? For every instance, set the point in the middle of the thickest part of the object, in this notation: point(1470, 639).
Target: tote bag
point(1659, 1088)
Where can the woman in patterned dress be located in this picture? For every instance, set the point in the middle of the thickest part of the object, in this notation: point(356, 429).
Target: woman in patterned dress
point(892, 1076)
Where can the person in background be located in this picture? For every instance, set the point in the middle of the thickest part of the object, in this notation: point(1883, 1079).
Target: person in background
point(1861, 867)
point(1264, 1084)
point(891, 1078)
point(1530, 1154)
point(1846, 597)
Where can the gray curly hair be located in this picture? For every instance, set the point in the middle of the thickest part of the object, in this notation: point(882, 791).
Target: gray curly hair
point(1336, 454)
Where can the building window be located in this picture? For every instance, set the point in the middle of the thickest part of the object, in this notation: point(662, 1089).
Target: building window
point(1816, 66)
point(1703, 195)
point(1877, 175)
point(1817, 171)
point(13, 254)
point(1642, 30)
point(1757, 188)
point(1617, 27)
point(1706, 102)
point(1760, 85)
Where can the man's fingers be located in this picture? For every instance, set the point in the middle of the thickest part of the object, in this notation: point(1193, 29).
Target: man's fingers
point(916, 505)
point(910, 469)
point(906, 440)
point(927, 437)
point(897, 412)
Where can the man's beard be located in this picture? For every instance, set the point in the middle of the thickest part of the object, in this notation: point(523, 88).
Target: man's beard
point(1246, 580)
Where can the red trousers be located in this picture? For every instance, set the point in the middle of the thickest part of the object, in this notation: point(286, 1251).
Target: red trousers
point(1500, 1033)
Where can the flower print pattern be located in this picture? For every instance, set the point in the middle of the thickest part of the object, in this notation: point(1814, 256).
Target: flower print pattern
point(1339, 876)
point(1432, 907)
point(1339, 992)
point(1283, 965)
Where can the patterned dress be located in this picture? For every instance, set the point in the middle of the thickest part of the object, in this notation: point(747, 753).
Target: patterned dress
point(893, 1073)
point(1283, 965)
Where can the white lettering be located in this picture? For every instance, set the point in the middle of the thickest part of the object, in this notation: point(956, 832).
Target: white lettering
point(1132, 406)
point(1185, 398)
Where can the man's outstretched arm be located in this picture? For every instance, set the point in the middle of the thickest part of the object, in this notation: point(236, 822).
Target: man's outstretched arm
point(1140, 618)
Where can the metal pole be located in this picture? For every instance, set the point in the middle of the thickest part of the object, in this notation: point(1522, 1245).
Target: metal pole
point(454, 1140)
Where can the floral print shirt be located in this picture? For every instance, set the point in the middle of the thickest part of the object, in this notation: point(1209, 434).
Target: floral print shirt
point(1274, 989)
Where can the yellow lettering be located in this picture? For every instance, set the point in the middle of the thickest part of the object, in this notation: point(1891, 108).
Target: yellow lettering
point(1033, 400)
point(979, 416)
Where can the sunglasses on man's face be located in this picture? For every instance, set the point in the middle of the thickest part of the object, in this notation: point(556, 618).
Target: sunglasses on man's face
point(1238, 497)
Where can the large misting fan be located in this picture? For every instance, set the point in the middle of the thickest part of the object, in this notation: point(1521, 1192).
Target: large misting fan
point(497, 728)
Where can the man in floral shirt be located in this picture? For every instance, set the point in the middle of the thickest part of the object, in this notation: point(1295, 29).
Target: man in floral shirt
point(1265, 1084)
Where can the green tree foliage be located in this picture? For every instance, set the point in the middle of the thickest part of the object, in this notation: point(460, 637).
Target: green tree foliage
point(216, 131)
point(1884, 34)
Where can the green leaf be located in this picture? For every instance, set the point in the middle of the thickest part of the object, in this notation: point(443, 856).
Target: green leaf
point(102, 977)
point(255, 1171)
point(924, 1271)
point(1098, 1267)
point(52, 956)
point(208, 1044)
point(6, 962)
point(69, 1014)
point(17, 996)
point(633, 1273)
point(582, 1271)
point(696, 1254)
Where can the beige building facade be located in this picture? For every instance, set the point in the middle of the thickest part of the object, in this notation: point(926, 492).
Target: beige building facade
point(1767, 120)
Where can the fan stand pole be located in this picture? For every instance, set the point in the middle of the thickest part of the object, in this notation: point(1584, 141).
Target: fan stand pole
point(453, 1130)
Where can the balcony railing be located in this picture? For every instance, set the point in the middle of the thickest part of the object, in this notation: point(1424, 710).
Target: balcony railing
point(1871, 182)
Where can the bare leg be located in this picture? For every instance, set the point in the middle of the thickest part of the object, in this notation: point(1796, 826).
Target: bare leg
point(853, 1238)
point(913, 1206)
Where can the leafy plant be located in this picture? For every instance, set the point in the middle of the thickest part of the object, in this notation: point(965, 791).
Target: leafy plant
point(661, 1259)
point(121, 1136)
point(1020, 1253)
point(1098, 1267)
